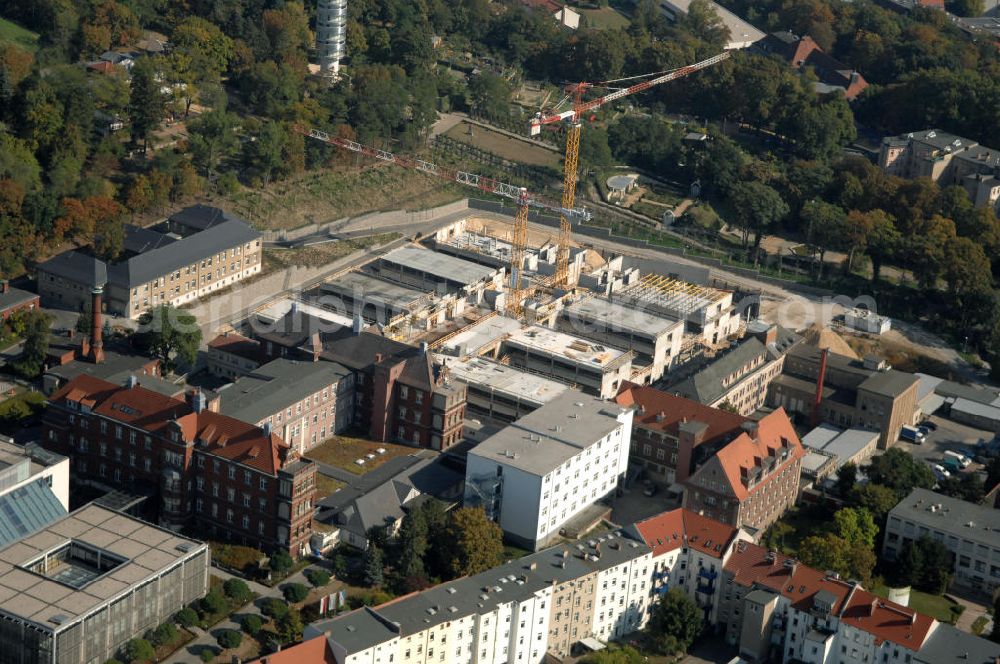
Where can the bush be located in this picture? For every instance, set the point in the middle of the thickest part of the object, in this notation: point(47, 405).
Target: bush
point(207, 654)
point(295, 592)
point(139, 650)
point(252, 625)
point(213, 603)
point(237, 590)
point(317, 577)
point(274, 608)
point(242, 558)
point(163, 634)
point(187, 617)
point(281, 562)
point(229, 638)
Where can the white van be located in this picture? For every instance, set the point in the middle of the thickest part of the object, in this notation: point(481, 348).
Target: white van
point(962, 460)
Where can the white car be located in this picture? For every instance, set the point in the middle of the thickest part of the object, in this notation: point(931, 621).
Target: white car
point(940, 470)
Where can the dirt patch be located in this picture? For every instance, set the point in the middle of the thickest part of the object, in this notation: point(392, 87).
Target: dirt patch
point(503, 146)
point(318, 255)
point(327, 195)
point(901, 354)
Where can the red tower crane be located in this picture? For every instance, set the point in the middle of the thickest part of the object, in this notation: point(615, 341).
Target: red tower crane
point(572, 118)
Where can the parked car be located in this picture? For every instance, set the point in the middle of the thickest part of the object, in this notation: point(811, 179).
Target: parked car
point(912, 434)
point(649, 488)
point(929, 425)
point(940, 471)
point(960, 459)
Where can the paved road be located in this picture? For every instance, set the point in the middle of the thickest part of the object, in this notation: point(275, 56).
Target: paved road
point(191, 651)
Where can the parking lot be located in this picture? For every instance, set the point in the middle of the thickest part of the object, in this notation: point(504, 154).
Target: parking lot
point(948, 436)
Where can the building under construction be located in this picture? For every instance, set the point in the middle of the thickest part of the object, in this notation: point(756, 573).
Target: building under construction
point(707, 312)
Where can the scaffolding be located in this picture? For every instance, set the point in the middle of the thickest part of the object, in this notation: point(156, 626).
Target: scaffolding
point(673, 296)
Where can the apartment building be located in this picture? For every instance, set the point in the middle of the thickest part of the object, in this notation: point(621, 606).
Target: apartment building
point(592, 367)
point(971, 532)
point(231, 355)
point(403, 395)
point(655, 340)
point(535, 475)
point(865, 394)
point(517, 612)
point(172, 263)
point(739, 378)
point(15, 300)
point(304, 403)
point(34, 489)
point(671, 435)
point(229, 479)
point(77, 590)
point(750, 482)
point(947, 159)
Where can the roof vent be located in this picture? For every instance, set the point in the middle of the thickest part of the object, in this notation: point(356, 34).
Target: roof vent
point(351, 628)
point(451, 591)
point(184, 547)
point(58, 619)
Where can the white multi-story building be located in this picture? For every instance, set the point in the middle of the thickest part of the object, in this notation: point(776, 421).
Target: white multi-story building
point(517, 612)
point(549, 466)
point(31, 470)
point(331, 36)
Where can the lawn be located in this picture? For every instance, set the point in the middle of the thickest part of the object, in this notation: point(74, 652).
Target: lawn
point(16, 411)
point(344, 451)
point(12, 33)
point(326, 486)
point(797, 524)
point(604, 18)
point(504, 146)
point(937, 606)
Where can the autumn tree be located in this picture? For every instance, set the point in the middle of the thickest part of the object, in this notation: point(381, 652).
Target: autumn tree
point(476, 542)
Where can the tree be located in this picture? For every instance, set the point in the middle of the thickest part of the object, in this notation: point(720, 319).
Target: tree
point(213, 138)
point(35, 325)
point(274, 608)
point(476, 542)
point(170, 334)
point(163, 634)
point(207, 654)
point(704, 21)
point(756, 207)
point(824, 227)
point(925, 564)
point(205, 45)
point(372, 566)
point(213, 603)
point(139, 650)
point(967, 486)
point(237, 590)
point(317, 577)
point(966, 8)
point(856, 526)
point(147, 104)
point(875, 498)
point(111, 242)
point(834, 553)
point(847, 478)
point(252, 624)
point(615, 655)
point(295, 593)
point(899, 471)
point(229, 638)
point(411, 546)
point(676, 621)
point(489, 96)
point(262, 155)
point(186, 617)
point(290, 626)
point(281, 562)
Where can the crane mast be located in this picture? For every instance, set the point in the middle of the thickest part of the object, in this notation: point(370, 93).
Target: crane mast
point(573, 127)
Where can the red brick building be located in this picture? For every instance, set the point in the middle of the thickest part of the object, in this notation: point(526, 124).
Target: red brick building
point(214, 474)
point(13, 300)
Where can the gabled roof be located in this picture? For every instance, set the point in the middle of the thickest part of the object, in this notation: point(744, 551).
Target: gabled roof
point(236, 344)
point(707, 385)
point(748, 459)
point(14, 297)
point(662, 411)
point(77, 266)
point(144, 409)
point(680, 527)
point(314, 651)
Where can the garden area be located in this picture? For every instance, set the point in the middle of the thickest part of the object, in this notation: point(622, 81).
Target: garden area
point(18, 410)
point(345, 451)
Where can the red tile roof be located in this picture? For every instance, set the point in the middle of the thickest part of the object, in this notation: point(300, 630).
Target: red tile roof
point(663, 411)
point(671, 530)
point(217, 434)
point(314, 651)
point(753, 565)
point(236, 344)
point(746, 452)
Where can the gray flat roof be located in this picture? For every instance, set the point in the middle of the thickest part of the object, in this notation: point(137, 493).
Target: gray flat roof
point(365, 287)
point(843, 444)
point(953, 518)
point(948, 645)
point(890, 383)
point(554, 433)
point(14, 297)
point(147, 549)
point(274, 386)
point(976, 409)
point(482, 333)
point(514, 581)
point(504, 379)
point(619, 317)
point(566, 346)
point(439, 265)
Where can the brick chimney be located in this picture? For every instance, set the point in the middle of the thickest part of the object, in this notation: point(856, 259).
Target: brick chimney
point(96, 328)
point(690, 434)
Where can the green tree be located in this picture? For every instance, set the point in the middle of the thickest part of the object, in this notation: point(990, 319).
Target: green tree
point(372, 567)
point(489, 96)
point(147, 104)
point(35, 326)
point(856, 526)
point(290, 626)
point(476, 542)
point(295, 593)
point(213, 138)
point(675, 622)
point(252, 624)
point(169, 334)
point(237, 590)
point(925, 564)
point(207, 47)
point(755, 208)
point(207, 654)
point(967, 486)
point(281, 562)
point(139, 650)
point(274, 608)
point(834, 553)
point(186, 617)
point(899, 471)
point(317, 577)
point(411, 545)
point(229, 638)
point(847, 479)
point(966, 8)
point(704, 21)
point(615, 655)
point(263, 155)
point(162, 635)
point(213, 603)
point(824, 226)
point(876, 499)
